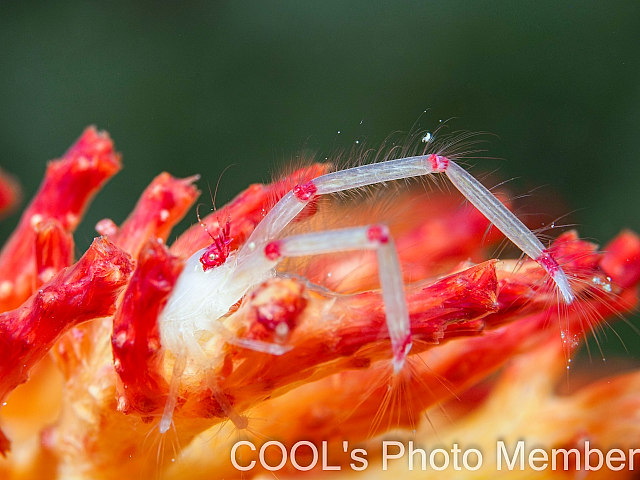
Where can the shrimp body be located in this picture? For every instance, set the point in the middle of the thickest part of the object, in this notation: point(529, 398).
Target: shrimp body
point(214, 280)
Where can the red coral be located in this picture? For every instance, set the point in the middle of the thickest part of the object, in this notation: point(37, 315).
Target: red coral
point(622, 259)
point(163, 204)
point(135, 339)
point(69, 184)
point(83, 292)
point(54, 250)
point(10, 193)
point(335, 347)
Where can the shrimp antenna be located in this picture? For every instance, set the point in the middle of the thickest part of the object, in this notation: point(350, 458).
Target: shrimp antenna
point(215, 193)
point(202, 224)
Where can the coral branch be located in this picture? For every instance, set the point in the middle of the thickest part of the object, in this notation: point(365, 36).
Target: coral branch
point(83, 292)
point(10, 193)
point(163, 204)
point(54, 250)
point(622, 259)
point(136, 339)
point(64, 194)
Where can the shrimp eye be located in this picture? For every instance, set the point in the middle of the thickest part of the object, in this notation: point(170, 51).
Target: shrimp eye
point(216, 253)
point(211, 258)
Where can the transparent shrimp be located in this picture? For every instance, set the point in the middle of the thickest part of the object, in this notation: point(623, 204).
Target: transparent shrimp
point(215, 279)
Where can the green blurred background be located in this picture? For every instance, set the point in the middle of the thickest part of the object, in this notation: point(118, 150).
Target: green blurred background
point(192, 87)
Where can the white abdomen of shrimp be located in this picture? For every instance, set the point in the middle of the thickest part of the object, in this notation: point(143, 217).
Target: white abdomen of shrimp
point(200, 299)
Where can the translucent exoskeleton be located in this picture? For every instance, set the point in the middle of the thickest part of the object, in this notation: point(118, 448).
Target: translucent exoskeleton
point(214, 279)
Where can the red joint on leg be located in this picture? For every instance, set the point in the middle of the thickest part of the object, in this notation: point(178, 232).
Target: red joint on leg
point(406, 346)
point(438, 163)
point(547, 262)
point(378, 233)
point(305, 192)
point(272, 250)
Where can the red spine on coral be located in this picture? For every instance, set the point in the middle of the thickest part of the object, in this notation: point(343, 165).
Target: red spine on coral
point(136, 339)
point(68, 186)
